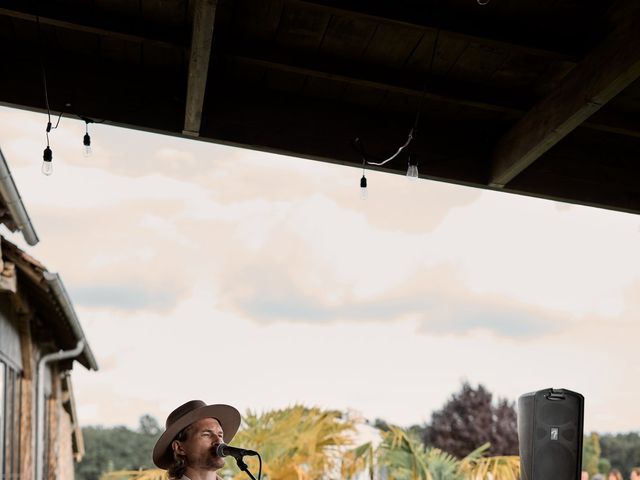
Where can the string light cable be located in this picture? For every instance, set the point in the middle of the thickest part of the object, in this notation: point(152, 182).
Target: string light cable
point(47, 155)
point(412, 170)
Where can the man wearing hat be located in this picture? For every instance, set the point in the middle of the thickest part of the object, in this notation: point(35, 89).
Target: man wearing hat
point(187, 447)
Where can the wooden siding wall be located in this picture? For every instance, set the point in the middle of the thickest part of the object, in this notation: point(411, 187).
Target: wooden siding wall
point(52, 447)
point(65, 446)
point(59, 448)
point(27, 394)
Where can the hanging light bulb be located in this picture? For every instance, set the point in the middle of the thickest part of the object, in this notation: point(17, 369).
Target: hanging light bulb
point(86, 151)
point(412, 169)
point(86, 142)
point(47, 161)
point(363, 188)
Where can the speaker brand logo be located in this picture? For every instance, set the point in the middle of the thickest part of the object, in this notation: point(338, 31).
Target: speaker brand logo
point(554, 433)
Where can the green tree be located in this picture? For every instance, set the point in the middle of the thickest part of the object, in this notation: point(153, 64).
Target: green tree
point(117, 448)
point(470, 418)
point(149, 426)
point(591, 454)
point(604, 465)
point(622, 451)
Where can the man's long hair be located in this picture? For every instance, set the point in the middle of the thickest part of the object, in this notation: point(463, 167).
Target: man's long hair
point(179, 466)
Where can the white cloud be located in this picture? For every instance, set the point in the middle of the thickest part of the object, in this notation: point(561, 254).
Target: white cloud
point(175, 250)
point(579, 260)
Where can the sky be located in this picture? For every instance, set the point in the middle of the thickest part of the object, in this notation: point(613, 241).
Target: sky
point(201, 271)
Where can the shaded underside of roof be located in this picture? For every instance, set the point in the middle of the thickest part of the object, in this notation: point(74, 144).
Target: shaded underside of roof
point(13, 213)
point(536, 97)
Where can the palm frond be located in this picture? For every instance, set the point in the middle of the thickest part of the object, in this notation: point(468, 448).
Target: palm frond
point(151, 474)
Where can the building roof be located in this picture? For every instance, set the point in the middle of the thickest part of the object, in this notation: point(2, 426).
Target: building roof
point(49, 300)
point(535, 97)
point(13, 213)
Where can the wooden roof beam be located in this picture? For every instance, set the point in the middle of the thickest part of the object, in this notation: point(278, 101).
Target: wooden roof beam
point(477, 100)
point(606, 71)
point(204, 16)
point(74, 22)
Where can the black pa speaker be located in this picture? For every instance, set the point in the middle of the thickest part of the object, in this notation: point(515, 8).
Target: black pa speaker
point(550, 429)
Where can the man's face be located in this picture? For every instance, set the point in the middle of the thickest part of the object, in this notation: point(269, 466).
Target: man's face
point(635, 476)
point(198, 446)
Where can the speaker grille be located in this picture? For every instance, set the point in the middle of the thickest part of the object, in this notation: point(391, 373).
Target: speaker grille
point(556, 413)
point(554, 462)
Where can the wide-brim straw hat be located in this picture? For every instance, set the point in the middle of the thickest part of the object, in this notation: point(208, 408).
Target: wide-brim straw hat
point(185, 415)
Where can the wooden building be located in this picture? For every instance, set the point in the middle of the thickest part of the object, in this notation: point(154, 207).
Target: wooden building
point(40, 338)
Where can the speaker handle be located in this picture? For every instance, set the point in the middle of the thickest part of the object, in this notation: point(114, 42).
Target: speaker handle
point(555, 395)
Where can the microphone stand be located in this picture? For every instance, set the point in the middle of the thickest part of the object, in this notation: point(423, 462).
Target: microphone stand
point(244, 467)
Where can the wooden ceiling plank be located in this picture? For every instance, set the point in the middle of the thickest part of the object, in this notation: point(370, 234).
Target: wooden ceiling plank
point(604, 124)
point(302, 29)
point(201, 43)
point(347, 38)
point(485, 39)
point(88, 28)
point(606, 71)
point(362, 82)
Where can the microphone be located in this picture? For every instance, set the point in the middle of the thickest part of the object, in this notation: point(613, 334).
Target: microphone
point(224, 450)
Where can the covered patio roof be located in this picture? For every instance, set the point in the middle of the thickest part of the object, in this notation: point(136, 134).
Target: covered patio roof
point(534, 97)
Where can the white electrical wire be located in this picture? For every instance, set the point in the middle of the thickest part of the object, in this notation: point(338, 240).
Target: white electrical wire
point(406, 144)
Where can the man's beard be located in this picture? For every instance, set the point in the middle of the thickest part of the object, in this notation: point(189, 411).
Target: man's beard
point(209, 462)
point(214, 462)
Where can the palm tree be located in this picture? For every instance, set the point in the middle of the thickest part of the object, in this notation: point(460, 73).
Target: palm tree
point(152, 474)
point(403, 457)
point(476, 466)
point(296, 443)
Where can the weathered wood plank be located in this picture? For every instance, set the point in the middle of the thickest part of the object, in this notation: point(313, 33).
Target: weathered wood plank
point(27, 387)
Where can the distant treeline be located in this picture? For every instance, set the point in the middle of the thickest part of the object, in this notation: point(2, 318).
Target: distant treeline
point(117, 448)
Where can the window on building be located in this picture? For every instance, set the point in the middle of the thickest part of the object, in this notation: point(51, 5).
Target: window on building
point(9, 422)
point(2, 415)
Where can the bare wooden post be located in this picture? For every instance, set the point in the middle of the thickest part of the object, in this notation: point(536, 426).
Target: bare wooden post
point(204, 16)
